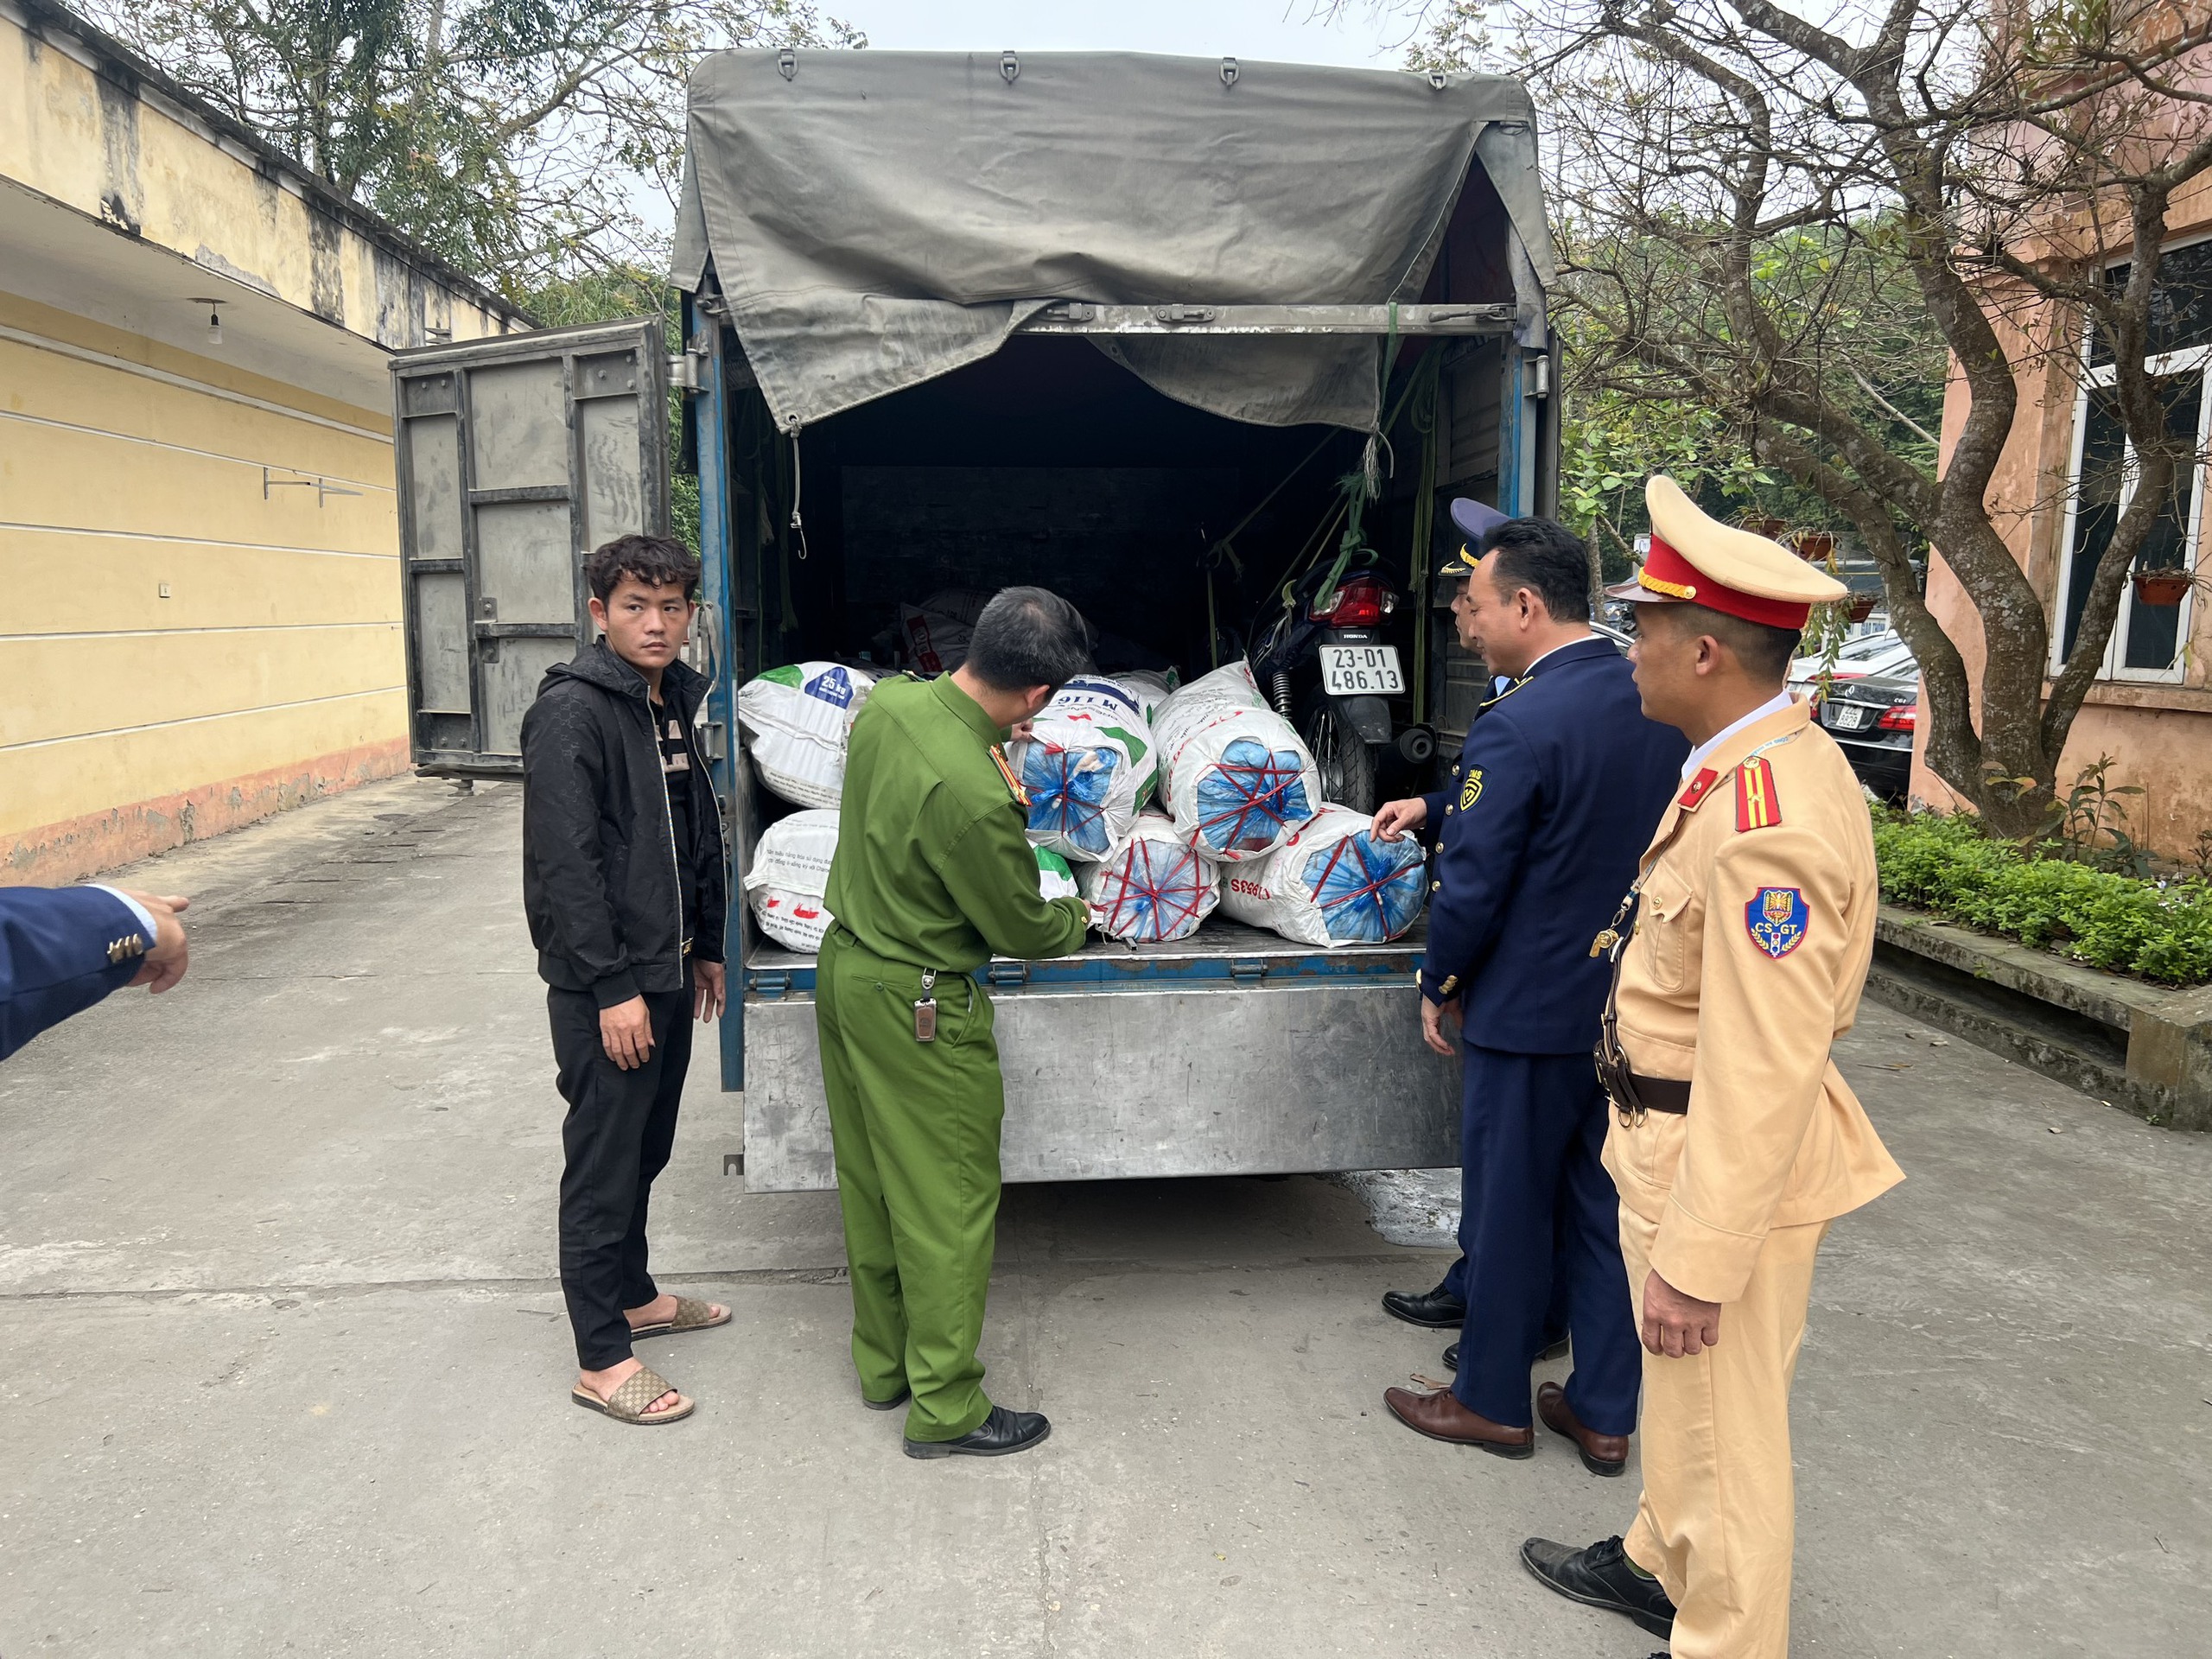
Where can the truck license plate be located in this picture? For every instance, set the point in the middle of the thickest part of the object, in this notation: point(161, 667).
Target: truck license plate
point(1361, 671)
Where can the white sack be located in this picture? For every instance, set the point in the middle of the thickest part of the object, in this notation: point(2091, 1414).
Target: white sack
point(1333, 883)
point(795, 721)
point(1150, 689)
point(1088, 766)
point(1153, 887)
point(938, 630)
point(789, 874)
point(1054, 878)
point(1233, 772)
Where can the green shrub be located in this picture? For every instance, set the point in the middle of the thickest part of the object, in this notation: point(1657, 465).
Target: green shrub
point(2106, 919)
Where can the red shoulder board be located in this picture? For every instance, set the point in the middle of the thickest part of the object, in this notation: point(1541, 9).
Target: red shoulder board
point(998, 758)
point(1757, 807)
point(1693, 797)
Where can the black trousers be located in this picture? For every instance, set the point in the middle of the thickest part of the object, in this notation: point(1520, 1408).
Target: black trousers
point(617, 1136)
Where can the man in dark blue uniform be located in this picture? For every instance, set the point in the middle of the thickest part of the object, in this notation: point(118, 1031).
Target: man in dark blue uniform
point(63, 948)
point(1560, 783)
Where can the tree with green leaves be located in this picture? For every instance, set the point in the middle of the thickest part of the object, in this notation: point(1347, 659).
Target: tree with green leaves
point(514, 139)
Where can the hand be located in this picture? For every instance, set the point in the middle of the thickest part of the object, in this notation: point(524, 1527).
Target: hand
point(1432, 1025)
point(163, 964)
point(1396, 817)
point(625, 1031)
point(1676, 1325)
point(709, 990)
point(1022, 731)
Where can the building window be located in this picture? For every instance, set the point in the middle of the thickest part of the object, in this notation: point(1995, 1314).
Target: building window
point(2147, 640)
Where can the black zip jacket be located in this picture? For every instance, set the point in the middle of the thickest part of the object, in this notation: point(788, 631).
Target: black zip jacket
point(599, 876)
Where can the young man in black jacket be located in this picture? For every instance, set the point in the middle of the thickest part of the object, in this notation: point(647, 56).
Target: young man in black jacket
point(622, 880)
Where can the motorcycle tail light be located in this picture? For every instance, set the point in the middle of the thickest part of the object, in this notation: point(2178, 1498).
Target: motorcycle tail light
point(1360, 603)
point(1899, 719)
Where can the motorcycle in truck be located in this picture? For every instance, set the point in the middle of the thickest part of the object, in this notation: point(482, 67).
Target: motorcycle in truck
point(855, 451)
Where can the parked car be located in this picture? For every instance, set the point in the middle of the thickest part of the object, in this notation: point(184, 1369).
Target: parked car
point(1879, 652)
point(1872, 718)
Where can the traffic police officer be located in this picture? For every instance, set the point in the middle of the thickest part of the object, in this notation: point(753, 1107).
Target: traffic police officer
point(1562, 780)
point(1735, 1141)
point(933, 874)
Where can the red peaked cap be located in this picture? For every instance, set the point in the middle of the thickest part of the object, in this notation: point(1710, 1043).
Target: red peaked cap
point(1695, 559)
point(1668, 572)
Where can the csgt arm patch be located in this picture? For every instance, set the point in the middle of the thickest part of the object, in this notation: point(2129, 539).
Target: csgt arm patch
point(1776, 918)
point(1472, 790)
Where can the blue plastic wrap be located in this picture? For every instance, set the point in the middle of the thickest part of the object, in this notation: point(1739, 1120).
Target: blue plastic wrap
point(1369, 891)
point(1067, 795)
point(1249, 796)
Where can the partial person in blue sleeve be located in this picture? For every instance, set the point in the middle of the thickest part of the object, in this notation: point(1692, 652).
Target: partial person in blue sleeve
point(63, 948)
point(1559, 783)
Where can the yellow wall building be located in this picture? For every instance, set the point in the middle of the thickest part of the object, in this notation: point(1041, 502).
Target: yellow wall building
point(199, 553)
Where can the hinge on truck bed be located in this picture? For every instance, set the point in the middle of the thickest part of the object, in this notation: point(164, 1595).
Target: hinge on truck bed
point(1008, 973)
point(1248, 973)
point(768, 984)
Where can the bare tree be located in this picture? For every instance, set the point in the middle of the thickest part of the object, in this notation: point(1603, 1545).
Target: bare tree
point(1797, 217)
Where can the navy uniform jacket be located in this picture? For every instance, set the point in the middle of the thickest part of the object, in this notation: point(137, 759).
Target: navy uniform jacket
point(1559, 787)
point(61, 950)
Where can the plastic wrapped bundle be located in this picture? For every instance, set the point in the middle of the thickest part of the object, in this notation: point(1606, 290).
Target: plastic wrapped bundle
point(788, 875)
point(1154, 886)
point(1333, 883)
point(1088, 766)
point(795, 721)
point(1233, 772)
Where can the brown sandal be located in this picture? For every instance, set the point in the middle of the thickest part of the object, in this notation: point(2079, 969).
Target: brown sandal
point(690, 1315)
point(628, 1403)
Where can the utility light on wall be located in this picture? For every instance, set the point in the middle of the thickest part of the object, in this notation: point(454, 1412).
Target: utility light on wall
point(214, 320)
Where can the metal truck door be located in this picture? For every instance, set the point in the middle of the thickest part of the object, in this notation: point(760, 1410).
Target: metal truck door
point(517, 455)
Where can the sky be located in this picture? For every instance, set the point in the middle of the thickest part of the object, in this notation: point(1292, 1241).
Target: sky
point(1257, 30)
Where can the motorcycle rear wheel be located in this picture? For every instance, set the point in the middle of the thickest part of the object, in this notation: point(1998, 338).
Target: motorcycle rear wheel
point(1341, 754)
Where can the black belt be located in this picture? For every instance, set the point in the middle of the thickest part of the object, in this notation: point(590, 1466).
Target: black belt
point(1660, 1094)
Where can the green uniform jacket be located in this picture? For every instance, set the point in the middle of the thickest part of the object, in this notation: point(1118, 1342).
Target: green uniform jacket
point(934, 866)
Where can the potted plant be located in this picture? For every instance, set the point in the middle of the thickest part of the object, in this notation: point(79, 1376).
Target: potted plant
point(1816, 546)
point(2161, 588)
point(1773, 529)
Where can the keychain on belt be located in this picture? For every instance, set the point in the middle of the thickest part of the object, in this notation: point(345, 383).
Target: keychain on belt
point(926, 1008)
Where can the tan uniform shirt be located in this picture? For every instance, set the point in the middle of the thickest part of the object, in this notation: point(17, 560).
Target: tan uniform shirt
point(1751, 948)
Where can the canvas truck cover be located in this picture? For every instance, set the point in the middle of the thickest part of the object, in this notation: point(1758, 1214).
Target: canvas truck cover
point(878, 218)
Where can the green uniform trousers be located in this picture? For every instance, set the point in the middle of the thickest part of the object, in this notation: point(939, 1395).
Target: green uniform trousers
point(916, 1127)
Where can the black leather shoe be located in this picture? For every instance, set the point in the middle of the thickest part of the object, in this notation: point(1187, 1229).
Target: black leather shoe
point(892, 1404)
point(1436, 1310)
point(1557, 1351)
point(1600, 1576)
point(998, 1434)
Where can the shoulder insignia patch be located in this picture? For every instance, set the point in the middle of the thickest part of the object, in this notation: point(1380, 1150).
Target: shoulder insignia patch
point(1757, 807)
point(1472, 790)
point(1006, 771)
point(1693, 796)
point(1776, 920)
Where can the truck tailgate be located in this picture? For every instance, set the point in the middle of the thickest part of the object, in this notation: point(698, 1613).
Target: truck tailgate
point(1236, 1052)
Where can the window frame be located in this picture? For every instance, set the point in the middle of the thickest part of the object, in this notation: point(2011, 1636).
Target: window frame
point(2096, 377)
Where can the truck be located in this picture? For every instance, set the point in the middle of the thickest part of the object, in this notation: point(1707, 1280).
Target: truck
point(1167, 335)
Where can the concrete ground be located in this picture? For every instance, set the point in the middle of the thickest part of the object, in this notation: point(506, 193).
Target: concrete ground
point(288, 1370)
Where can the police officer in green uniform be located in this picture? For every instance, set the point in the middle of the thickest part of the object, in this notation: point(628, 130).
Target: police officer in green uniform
point(934, 874)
